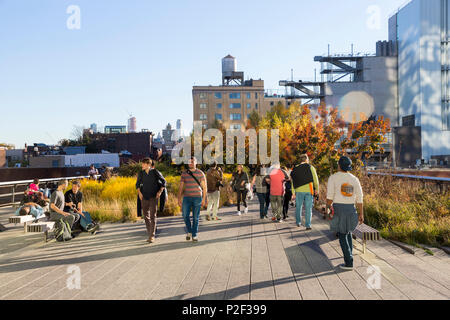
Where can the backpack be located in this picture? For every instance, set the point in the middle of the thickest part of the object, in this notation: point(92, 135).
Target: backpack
point(63, 231)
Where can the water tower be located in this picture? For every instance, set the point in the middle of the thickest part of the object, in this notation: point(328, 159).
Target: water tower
point(229, 74)
point(132, 125)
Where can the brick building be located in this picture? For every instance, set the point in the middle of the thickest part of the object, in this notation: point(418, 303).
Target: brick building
point(139, 144)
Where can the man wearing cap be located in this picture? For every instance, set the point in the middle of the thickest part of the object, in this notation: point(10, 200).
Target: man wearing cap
point(344, 190)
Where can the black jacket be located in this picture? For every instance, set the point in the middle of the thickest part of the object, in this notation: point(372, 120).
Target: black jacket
point(150, 183)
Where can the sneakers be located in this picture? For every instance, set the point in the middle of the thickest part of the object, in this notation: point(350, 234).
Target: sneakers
point(216, 218)
point(188, 236)
point(151, 240)
point(208, 217)
point(280, 221)
point(307, 229)
point(299, 225)
point(195, 239)
point(238, 213)
point(346, 268)
point(94, 229)
point(274, 219)
point(246, 210)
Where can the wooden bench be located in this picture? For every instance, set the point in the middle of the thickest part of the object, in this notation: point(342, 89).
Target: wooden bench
point(44, 227)
point(26, 220)
point(364, 232)
point(22, 219)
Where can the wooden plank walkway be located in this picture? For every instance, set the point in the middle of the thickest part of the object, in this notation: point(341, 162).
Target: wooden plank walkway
point(239, 257)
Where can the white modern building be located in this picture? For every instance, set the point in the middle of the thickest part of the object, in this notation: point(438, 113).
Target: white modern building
point(421, 29)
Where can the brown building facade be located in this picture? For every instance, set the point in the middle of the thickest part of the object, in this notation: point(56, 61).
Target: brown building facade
point(231, 105)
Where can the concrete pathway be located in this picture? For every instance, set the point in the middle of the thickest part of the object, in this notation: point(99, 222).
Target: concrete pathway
point(239, 257)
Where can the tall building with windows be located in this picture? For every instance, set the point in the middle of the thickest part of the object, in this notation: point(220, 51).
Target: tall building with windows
point(232, 102)
point(421, 29)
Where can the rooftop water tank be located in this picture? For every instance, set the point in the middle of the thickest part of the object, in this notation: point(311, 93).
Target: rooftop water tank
point(229, 65)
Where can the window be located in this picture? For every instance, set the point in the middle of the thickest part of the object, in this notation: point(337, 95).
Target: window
point(409, 121)
point(235, 116)
point(202, 95)
point(249, 105)
point(203, 116)
point(248, 116)
point(218, 116)
point(219, 106)
point(235, 126)
point(256, 105)
point(235, 105)
point(55, 163)
point(202, 105)
point(235, 95)
point(204, 126)
point(256, 95)
point(218, 95)
point(271, 103)
point(249, 95)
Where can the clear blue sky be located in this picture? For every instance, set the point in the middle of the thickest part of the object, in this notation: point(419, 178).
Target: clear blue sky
point(144, 56)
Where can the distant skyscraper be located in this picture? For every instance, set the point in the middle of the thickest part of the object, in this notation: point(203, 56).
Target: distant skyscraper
point(179, 124)
point(93, 127)
point(132, 125)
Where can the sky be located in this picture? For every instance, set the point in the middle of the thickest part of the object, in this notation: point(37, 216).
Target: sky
point(142, 57)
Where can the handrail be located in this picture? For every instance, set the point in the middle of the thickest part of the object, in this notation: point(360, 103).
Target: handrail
point(410, 176)
point(25, 182)
point(15, 184)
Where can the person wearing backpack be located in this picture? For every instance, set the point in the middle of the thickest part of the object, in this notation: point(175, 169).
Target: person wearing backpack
point(261, 190)
point(64, 220)
point(150, 185)
point(191, 197)
point(214, 178)
point(306, 185)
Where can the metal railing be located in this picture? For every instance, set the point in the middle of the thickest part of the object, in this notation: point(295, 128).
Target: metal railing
point(15, 184)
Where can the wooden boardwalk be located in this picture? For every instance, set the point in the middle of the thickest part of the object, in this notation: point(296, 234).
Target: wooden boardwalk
point(240, 257)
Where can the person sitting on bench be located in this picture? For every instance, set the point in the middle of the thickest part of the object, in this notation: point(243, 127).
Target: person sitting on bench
point(30, 208)
point(57, 205)
point(74, 205)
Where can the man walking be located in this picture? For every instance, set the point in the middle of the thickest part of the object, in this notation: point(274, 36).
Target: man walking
point(150, 184)
point(306, 186)
point(214, 178)
point(192, 196)
point(343, 191)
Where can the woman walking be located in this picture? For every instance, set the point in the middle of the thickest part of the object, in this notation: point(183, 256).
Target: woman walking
point(238, 183)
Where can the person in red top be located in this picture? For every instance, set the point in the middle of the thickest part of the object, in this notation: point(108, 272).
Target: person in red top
point(276, 179)
point(33, 187)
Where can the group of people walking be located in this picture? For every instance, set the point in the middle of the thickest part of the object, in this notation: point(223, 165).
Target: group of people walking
point(275, 186)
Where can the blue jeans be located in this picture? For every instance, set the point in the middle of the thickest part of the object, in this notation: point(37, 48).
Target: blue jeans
point(307, 198)
point(345, 240)
point(262, 204)
point(195, 204)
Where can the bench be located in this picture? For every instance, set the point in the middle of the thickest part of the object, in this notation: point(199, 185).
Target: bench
point(43, 227)
point(364, 232)
point(26, 220)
